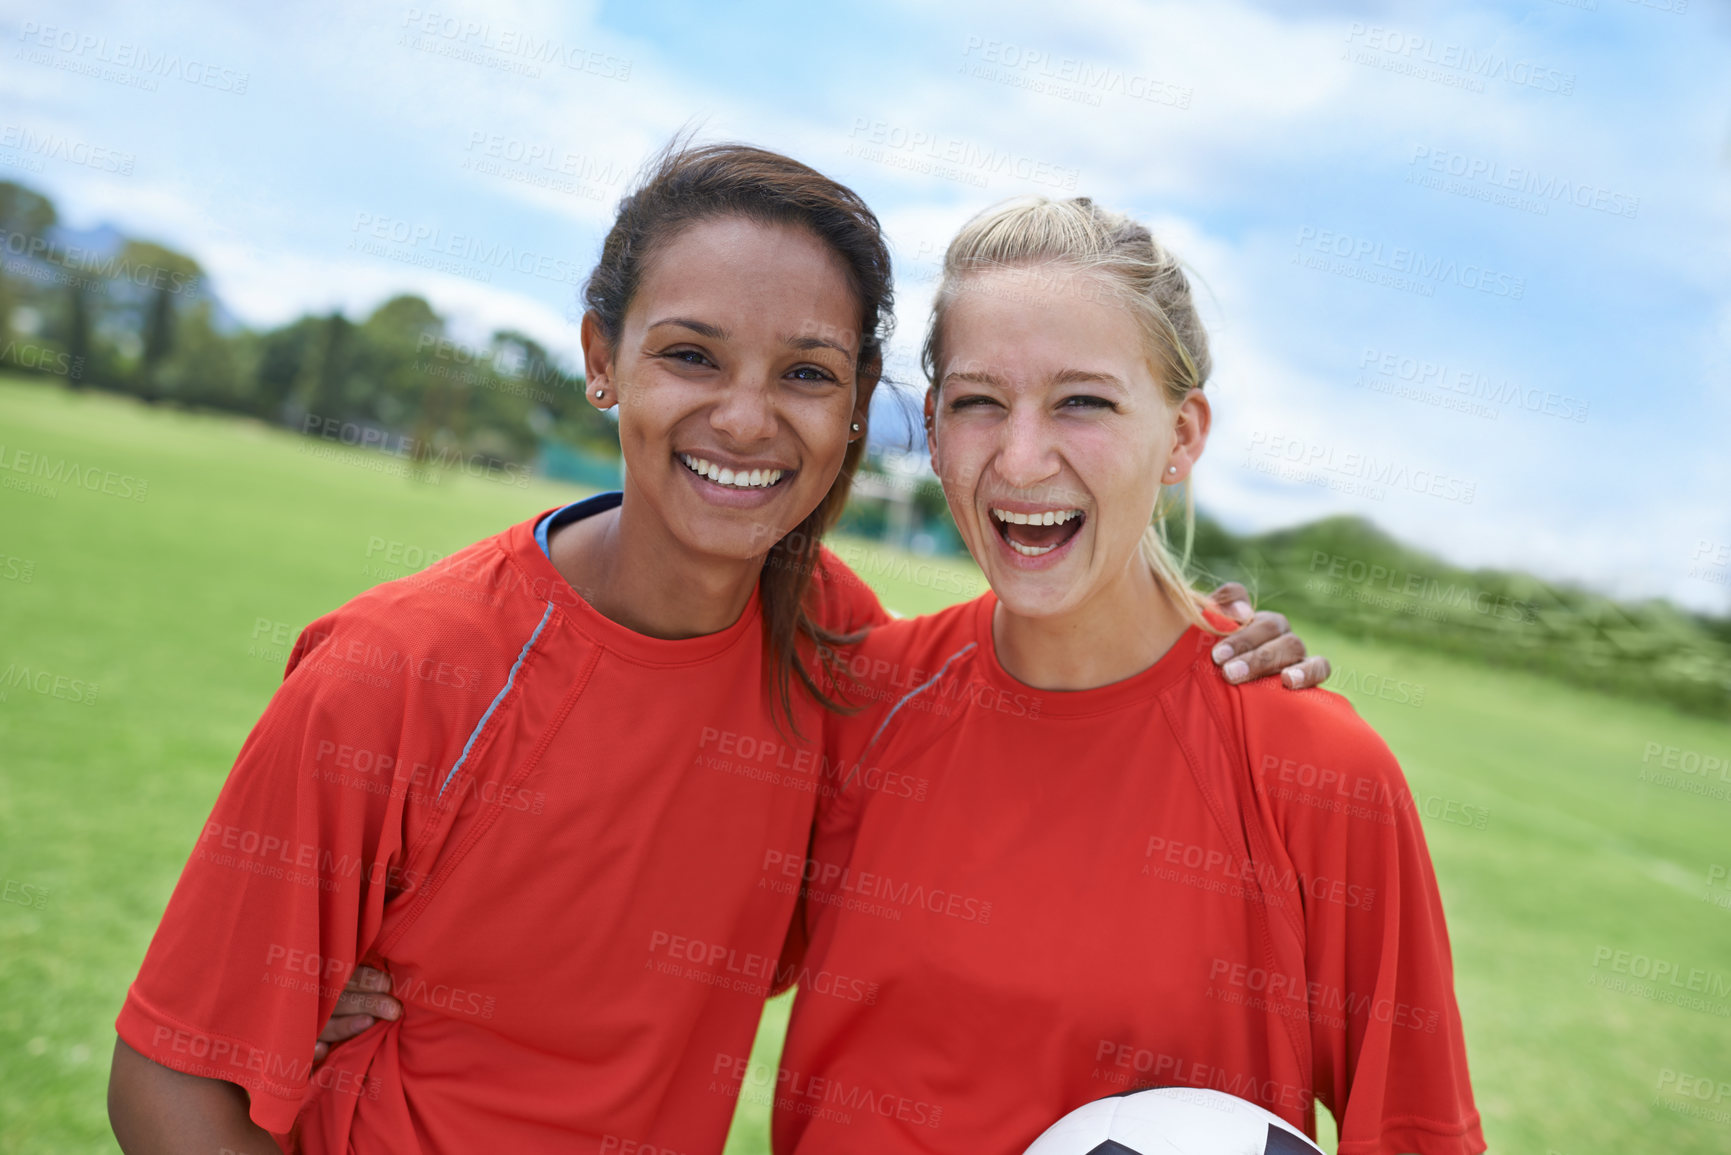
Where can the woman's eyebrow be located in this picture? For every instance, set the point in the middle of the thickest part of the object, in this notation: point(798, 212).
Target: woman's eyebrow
point(973, 377)
point(1085, 377)
point(717, 333)
point(701, 328)
point(818, 343)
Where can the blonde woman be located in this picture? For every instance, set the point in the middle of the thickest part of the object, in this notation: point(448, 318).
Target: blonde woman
point(1122, 872)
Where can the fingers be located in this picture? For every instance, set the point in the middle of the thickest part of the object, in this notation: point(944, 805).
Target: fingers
point(1313, 671)
point(1233, 600)
point(368, 994)
point(1233, 651)
point(362, 1003)
point(342, 1028)
point(1250, 662)
point(1264, 645)
point(366, 978)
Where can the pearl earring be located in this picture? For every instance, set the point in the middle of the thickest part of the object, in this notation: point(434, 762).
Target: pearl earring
point(1171, 469)
point(856, 427)
point(600, 393)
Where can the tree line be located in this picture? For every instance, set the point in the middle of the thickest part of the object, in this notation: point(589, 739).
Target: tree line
point(136, 317)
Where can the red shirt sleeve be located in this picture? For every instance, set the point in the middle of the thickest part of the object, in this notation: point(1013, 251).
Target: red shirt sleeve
point(1388, 1052)
point(287, 883)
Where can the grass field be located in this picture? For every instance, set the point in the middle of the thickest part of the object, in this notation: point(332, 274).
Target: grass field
point(1552, 852)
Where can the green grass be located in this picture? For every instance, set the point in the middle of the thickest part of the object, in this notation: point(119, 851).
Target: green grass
point(158, 603)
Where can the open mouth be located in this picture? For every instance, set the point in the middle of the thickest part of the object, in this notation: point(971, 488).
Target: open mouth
point(1036, 534)
point(740, 479)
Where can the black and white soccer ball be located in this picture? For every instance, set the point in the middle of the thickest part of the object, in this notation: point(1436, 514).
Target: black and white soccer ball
point(1172, 1121)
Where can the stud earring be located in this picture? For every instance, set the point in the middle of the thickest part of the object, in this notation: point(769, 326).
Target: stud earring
point(856, 427)
point(1171, 469)
point(600, 393)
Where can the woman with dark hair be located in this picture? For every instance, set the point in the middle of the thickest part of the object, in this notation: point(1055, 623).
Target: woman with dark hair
point(536, 782)
point(492, 775)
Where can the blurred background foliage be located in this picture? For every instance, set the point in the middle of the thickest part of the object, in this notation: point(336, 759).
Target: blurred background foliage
point(102, 310)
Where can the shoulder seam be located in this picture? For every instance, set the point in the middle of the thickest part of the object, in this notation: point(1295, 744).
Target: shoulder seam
point(905, 699)
point(510, 680)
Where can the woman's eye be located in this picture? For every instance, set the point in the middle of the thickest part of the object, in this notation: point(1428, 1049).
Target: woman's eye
point(1087, 401)
point(686, 356)
point(812, 373)
point(974, 401)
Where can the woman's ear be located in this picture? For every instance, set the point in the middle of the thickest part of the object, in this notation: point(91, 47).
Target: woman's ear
point(1189, 437)
point(597, 364)
point(932, 429)
point(866, 380)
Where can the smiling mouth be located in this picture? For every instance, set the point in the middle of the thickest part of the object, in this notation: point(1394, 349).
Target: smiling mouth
point(1035, 534)
point(741, 479)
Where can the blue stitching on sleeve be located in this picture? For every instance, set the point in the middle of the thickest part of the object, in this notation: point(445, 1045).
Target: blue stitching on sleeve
point(506, 689)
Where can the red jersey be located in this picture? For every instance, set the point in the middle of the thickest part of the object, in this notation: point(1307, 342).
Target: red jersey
point(547, 827)
point(1164, 881)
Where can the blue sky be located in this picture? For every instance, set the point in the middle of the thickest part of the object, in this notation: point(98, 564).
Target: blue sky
point(1467, 267)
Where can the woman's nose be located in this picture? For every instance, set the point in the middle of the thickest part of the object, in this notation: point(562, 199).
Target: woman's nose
point(746, 411)
point(1028, 455)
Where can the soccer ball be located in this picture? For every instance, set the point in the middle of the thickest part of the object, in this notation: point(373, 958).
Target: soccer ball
point(1172, 1121)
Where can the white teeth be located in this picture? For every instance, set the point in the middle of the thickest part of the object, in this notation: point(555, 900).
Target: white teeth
point(1047, 517)
point(1044, 517)
point(744, 479)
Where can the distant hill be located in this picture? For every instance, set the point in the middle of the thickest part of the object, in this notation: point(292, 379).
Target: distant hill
point(1346, 573)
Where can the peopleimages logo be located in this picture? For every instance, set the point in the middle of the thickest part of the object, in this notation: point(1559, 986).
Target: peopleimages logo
point(1318, 463)
point(1444, 62)
point(502, 46)
point(136, 65)
point(1507, 185)
point(353, 435)
point(44, 470)
point(58, 146)
point(1470, 384)
point(85, 266)
point(883, 141)
point(1066, 77)
point(433, 243)
point(1374, 576)
point(1399, 266)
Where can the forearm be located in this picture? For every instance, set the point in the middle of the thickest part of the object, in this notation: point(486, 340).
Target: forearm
point(158, 1111)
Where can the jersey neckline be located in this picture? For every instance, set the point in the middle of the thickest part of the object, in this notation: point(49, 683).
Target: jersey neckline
point(1172, 667)
point(528, 544)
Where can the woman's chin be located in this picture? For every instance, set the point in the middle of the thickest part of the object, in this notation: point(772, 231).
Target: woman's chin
point(743, 542)
point(1034, 595)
